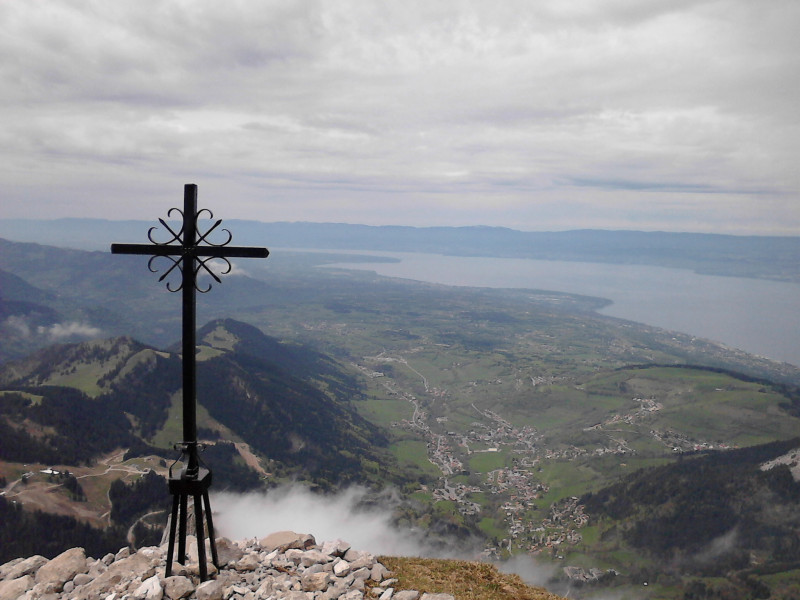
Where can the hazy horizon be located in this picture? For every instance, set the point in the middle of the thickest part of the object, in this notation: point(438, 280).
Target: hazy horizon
point(155, 218)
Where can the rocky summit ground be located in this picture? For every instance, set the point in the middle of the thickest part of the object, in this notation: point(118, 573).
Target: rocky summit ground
point(282, 566)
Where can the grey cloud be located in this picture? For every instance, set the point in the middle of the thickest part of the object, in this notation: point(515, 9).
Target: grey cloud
point(316, 110)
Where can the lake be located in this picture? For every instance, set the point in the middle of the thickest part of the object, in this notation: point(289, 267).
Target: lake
point(759, 316)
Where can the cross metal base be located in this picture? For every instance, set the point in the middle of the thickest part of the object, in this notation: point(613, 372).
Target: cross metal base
point(181, 488)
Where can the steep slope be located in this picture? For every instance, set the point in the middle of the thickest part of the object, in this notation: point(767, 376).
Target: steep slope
point(288, 403)
point(731, 514)
point(25, 313)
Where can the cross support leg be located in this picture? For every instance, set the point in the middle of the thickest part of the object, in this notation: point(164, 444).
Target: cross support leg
point(197, 488)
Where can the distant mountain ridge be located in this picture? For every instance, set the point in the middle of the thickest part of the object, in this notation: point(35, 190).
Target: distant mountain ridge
point(764, 257)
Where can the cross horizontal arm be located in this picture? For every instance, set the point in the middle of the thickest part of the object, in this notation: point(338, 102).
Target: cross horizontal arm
point(178, 250)
point(231, 251)
point(147, 249)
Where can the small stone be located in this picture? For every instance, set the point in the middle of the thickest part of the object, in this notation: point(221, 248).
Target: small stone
point(150, 589)
point(96, 569)
point(228, 552)
point(179, 569)
point(123, 553)
point(341, 568)
point(311, 557)
point(177, 586)
point(352, 595)
point(5, 568)
point(353, 554)
point(13, 588)
point(363, 559)
point(335, 591)
point(427, 596)
point(387, 594)
point(44, 589)
point(294, 554)
point(28, 566)
point(194, 569)
point(379, 572)
point(315, 582)
point(249, 562)
point(209, 590)
point(235, 590)
point(108, 559)
point(152, 552)
point(406, 595)
point(335, 548)
point(284, 540)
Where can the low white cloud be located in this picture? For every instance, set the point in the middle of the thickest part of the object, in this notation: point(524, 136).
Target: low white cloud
point(718, 547)
point(344, 515)
point(18, 325)
point(61, 331)
point(361, 518)
point(530, 570)
point(236, 270)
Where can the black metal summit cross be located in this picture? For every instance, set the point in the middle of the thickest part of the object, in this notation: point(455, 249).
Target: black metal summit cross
point(190, 251)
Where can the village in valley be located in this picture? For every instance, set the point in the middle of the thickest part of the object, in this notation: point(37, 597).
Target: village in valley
point(515, 493)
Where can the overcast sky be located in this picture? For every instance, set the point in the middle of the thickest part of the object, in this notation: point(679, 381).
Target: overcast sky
point(537, 115)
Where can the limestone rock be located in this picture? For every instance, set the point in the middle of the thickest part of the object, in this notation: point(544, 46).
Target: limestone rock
point(28, 566)
point(335, 548)
point(210, 590)
point(249, 562)
point(150, 589)
point(296, 568)
point(378, 572)
point(6, 568)
point(284, 540)
point(62, 568)
point(387, 594)
point(119, 574)
point(315, 582)
point(228, 552)
point(11, 589)
point(178, 586)
point(341, 568)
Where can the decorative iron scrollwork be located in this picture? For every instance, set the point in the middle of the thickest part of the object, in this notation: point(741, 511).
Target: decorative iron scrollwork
point(188, 247)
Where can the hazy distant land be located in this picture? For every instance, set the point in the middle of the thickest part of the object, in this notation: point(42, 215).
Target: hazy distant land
point(763, 257)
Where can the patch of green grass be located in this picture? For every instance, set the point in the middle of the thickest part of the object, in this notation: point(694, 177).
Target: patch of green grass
point(207, 353)
point(383, 411)
point(492, 529)
point(414, 452)
point(83, 378)
point(34, 399)
point(483, 462)
point(172, 431)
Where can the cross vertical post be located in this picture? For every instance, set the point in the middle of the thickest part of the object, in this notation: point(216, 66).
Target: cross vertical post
point(190, 251)
point(189, 330)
